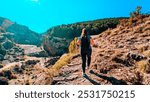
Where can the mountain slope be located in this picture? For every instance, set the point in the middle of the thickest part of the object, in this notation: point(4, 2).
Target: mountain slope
point(59, 37)
point(122, 56)
point(21, 34)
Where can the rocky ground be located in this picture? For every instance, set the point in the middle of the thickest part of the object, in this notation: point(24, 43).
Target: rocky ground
point(9, 51)
point(23, 64)
point(121, 57)
point(30, 71)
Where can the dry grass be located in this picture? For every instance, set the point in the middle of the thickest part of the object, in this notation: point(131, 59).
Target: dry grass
point(142, 48)
point(73, 48)
point(9, 66)
point(146, 28)
point(117, 53)
point(108, 32)
point(143, 66)
point(64, 60)
point(138, 30)
point(146, 53)
point(29, 82)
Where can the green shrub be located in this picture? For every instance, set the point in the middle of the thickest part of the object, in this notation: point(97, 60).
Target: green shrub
point(2, 51)
point(8, 45)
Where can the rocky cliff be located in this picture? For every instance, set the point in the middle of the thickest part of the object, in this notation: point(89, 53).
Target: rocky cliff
point(9, 51)
point(23, 64)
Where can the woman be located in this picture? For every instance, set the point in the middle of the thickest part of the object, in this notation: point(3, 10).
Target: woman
point(85, 42)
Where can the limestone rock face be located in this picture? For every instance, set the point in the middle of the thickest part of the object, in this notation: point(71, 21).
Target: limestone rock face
point(55, 45)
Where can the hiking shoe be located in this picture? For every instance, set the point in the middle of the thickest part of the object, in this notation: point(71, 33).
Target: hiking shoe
point(83, 74)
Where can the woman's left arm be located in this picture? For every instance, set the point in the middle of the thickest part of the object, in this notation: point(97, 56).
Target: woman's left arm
point(92, 42)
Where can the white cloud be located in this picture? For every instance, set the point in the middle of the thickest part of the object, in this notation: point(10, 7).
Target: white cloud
point(36, 1)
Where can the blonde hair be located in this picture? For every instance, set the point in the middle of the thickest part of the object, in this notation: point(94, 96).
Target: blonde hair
point(84, 32)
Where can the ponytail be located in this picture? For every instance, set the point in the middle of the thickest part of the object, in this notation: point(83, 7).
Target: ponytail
point(84, 32)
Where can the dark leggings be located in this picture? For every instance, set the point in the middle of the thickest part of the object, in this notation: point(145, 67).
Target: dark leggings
point(86, 57)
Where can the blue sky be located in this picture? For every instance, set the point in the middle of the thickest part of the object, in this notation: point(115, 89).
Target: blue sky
point(40, 15)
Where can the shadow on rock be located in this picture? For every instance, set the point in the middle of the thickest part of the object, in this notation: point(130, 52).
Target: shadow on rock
point(113, 80)
point(91, 80)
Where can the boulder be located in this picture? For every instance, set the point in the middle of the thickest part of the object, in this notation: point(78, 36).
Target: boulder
point(3, 81)
point(8, 74)
point(18, 70)
point(39, 54)
point(5, 62)
point(31, 62)
point(52, 44)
